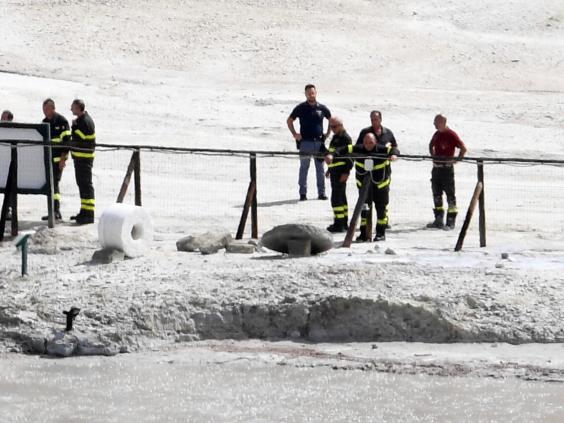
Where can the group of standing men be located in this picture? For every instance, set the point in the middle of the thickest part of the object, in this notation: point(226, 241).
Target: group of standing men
point(375, 149)
point(80, 140)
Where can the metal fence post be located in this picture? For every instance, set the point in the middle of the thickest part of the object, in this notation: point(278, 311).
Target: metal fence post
point(254, 204)
point(482, 205)
point(137, 176)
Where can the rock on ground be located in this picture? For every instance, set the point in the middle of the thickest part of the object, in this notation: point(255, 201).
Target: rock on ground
point(277, 239)
point(206, 243)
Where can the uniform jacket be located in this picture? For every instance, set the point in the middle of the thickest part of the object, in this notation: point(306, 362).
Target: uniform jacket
point(83, 137)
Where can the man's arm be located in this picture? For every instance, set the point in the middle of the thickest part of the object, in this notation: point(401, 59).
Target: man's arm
point(462, 150)
point(395, 151)
point(290, 123)
point(66, 142)
point(328, 132)
point(327, 114)
point(431, 149)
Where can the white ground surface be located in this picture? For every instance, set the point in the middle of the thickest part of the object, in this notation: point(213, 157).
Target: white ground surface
point(225, 75)
point(257, 382)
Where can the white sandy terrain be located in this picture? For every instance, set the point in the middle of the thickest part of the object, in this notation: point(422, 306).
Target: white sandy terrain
point(226, 74)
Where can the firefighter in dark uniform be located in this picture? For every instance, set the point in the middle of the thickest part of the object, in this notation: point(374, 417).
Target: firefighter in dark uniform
point(60, 137)
point(338, 172)
point(384, 136)
point(379, 156)
point(83, 143)
point(442, 147)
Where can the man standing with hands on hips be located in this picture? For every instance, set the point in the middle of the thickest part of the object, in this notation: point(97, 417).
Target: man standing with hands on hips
point(310, 140)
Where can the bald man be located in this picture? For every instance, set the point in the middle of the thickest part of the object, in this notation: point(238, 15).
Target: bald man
point(338, 172)
point(7, 116)
point(442, 147)
point(379, 155)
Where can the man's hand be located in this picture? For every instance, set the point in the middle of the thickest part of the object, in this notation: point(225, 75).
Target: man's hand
point(62, 163)
point(329, 158)
point(393, 158)
point(327, 174)
point(297, 137)
point(344, 178)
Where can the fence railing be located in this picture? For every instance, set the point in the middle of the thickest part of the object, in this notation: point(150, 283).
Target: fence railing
point(191, 189)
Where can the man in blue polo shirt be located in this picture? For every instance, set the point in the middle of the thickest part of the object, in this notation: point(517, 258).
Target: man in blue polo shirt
point(310, 140)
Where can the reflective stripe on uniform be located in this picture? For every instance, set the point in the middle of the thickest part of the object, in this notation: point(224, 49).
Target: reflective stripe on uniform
point(336, 164)
point(378, 166)
point(55, 140)
point(452, 210)
point(87, 204)
point(56, 159)
point(382, 165)
point(82, 155)
point(439, 209)
point(85, 137)
point(66, 133)
point(384, 184)
point(56, 196)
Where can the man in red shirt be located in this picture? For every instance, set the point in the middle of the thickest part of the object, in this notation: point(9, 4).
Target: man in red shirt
point(442, 148)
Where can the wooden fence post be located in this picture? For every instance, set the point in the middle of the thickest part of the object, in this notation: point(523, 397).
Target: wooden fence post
point(468, 218)
point(134, 168)
point(366, 185)
point(250, 203)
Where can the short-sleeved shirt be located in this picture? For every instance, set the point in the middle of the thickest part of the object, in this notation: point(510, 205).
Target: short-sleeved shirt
point(445, 143)
point(311, 119)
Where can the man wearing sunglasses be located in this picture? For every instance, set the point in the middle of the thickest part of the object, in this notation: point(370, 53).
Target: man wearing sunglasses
point(338, 172)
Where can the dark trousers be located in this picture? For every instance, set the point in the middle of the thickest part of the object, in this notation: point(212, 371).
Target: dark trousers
point(339, 197)
point(380, 197)
point(83, 175)
point(57, 174)
point(442, 181)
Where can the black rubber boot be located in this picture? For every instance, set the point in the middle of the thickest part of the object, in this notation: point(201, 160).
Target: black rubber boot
point(439, 219)
point(380, 233)
point(56, 211)
point(86, 217)
point(337, 226)
point(362, 237)
point(450, 220)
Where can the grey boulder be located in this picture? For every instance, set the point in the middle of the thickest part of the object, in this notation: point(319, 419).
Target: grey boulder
point(63, 344)
point(107, 256)
point(282, 237)
point(207, 243)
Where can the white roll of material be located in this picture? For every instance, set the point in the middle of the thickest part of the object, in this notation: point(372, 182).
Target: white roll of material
point(126, 228)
